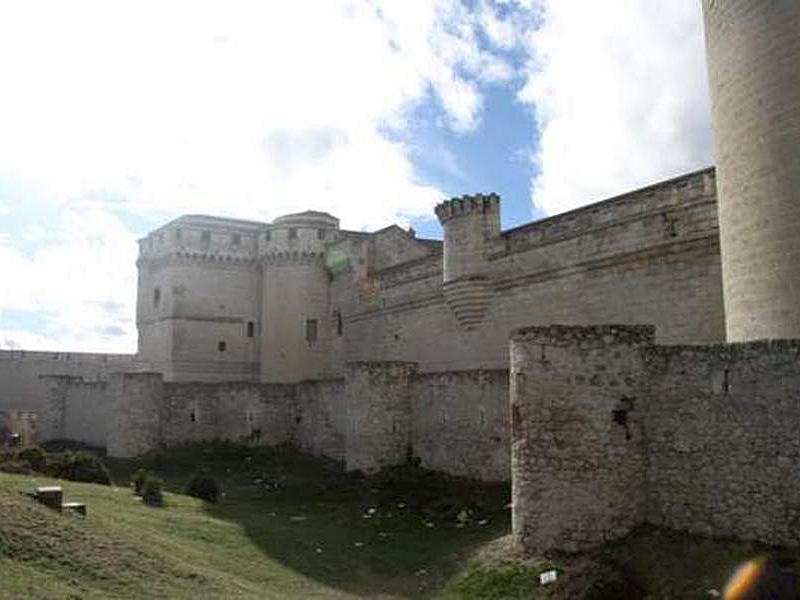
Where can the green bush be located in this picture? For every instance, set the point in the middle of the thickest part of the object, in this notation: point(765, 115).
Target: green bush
point(35, 458)
point(138, 480)
point(78, 466)
point(204, 488)
point(152, 491)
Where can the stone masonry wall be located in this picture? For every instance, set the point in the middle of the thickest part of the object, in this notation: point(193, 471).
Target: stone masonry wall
point(610, 431)
point(77, 409)
point(319, 418)
point(578, 462)
point(722, 440)
point(378, 397)
point(239, 412)
point(460, 423)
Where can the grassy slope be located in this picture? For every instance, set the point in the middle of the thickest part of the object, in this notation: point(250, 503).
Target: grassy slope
point(248, 546)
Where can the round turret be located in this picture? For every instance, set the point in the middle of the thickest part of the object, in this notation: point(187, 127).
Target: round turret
point(753, 52)
point(470, 224)
point(296, 330)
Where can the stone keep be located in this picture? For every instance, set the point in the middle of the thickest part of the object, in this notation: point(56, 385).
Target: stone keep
point(753, 64)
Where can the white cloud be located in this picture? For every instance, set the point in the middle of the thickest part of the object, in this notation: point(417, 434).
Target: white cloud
point(172, 106)
point(619, 89)
point(241, 108)
point(82, 283)
point(4, 209)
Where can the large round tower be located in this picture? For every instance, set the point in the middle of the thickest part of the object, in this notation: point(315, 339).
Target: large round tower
point(753, 51)
point(296, 320)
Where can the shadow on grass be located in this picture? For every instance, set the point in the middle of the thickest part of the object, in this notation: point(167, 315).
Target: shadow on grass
point(404, 533)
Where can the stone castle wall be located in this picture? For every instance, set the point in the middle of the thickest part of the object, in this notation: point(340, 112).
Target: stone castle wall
point(610, 431)
point(22, 387)
point(647, 257)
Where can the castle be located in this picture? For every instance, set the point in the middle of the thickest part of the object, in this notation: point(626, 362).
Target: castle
point(375, 348)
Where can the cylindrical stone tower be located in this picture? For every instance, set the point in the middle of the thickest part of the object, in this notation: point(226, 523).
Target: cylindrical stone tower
point(753, 51)
point(295, 315)
point(470, 226)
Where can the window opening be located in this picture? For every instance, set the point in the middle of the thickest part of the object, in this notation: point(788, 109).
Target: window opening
point(156, 297)
point(251, 329)
point(222, 346)
point(293, 233)
point(311, 330)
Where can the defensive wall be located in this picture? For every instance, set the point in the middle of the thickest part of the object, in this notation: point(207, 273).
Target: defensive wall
point(380, 414)
point(649, 257)
point(610, 431)
point(23, 389)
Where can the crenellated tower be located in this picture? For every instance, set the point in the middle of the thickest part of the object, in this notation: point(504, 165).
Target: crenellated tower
point(296, 316)
point(753, 52)
point(470, 224)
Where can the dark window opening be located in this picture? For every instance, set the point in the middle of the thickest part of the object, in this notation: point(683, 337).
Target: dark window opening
point(193, 416)
point(267, 236)
point(311, 330)
point(222, 346)
point(156, 297)
point(251, 329)
point(339, 323)
point(293, 233)
point(205, 237)
point(236, 238)
point(321, 234)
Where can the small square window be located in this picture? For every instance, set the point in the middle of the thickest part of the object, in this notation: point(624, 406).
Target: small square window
point(311, 330)
point(321, 234)
point(293, 233)
point(222, 346)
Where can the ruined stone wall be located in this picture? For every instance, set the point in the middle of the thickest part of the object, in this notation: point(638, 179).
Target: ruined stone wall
point(76, 409)
point(239, 412)
point(649, 257)
point(578, 446)
point(136, 420)
point(21, 386)
point(378, 398)
point(722, 440)
point(319, 418)
point(610, 431)
point(460, 423)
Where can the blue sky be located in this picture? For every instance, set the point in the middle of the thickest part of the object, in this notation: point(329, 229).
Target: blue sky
point(373, 110)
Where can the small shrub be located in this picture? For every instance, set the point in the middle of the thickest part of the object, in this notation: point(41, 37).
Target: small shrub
point(78, 466)
point(204, 488)
point(152, 491)
point(35, 458)
point(138, 480)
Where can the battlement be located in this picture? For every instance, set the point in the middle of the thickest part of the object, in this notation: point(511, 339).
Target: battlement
point(466, 205)
point(197, 235)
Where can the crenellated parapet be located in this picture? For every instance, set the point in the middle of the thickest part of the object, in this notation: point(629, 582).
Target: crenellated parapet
point(296, 257)
point(480, 204)
point(187, 258)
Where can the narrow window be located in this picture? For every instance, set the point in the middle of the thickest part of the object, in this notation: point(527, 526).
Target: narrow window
point(339, 323)
point(293, 233)
point(320, 234)
point(237, 239)
point(251, 329)
point(178, 235)
point(311, 330)
point(193, 416)
point(156, 297)
point(222, 346)
point(205, 237)
point(267, 236)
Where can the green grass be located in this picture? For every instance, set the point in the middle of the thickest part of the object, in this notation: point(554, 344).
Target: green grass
point(290, 526)
point(287, 526)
